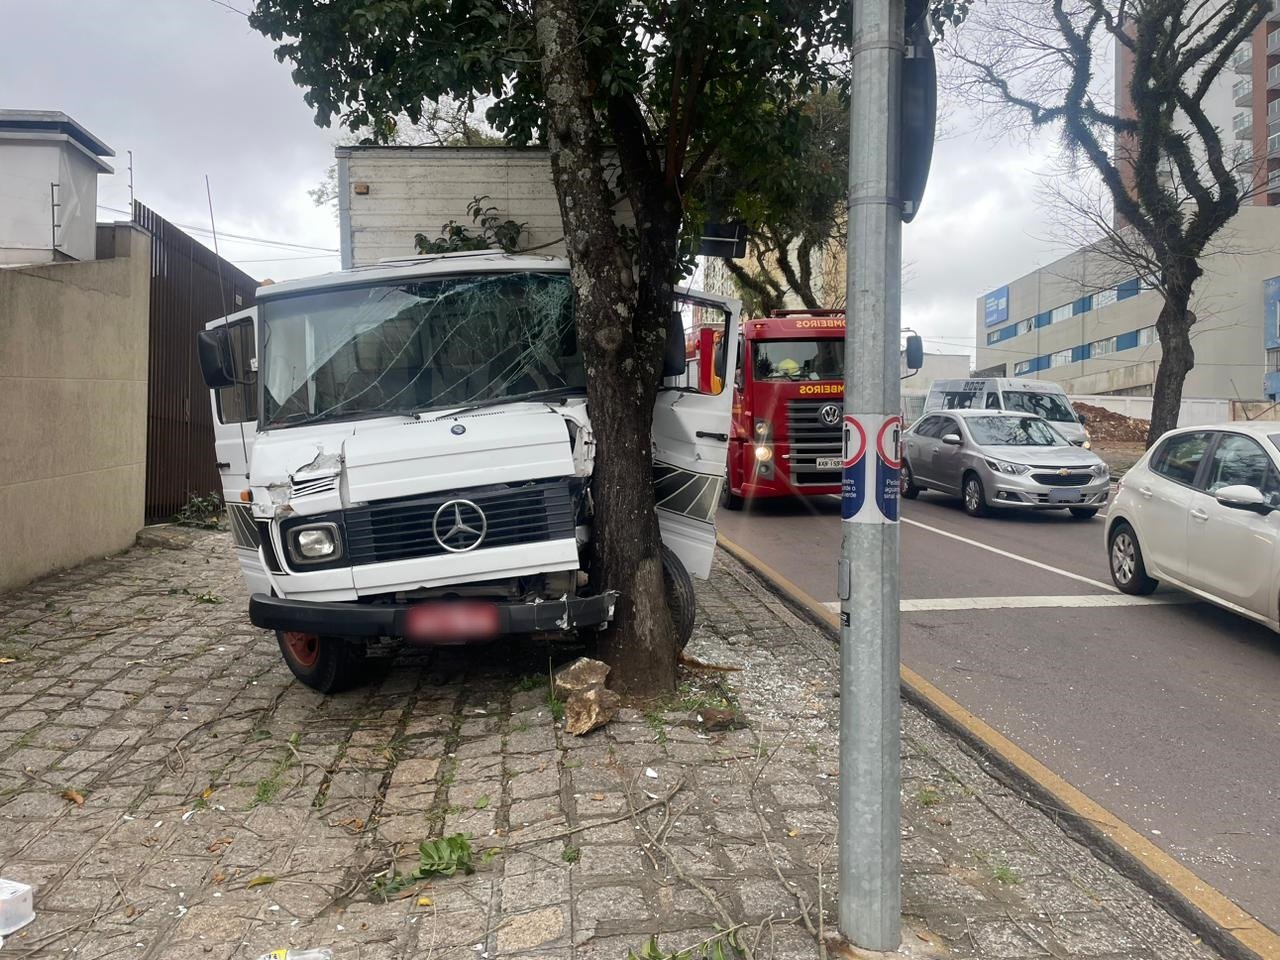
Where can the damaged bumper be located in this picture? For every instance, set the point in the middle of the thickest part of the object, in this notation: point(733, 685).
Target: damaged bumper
point(391, 620)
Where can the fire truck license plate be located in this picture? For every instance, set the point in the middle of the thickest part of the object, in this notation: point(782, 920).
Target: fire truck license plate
point(451, 621)
point(828, 463)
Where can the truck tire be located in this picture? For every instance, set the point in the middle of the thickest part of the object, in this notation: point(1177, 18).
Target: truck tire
point(680, 597)
point(728, 499)
point(325, 664)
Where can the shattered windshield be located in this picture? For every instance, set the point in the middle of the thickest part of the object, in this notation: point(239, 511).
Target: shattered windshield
point(413, 345)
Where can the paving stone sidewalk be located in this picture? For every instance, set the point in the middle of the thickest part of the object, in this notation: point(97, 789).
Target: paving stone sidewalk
point(226, 810)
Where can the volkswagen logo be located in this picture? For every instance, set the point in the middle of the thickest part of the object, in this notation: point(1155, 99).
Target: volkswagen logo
point(459, 526)
point(830, 414)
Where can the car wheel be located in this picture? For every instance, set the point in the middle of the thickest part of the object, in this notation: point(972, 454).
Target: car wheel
point(1083, 513)
point(1128, 572)
point(728, 499)
point(907, 482)
point(975, 496)
point(325, 664)
point(680, 597)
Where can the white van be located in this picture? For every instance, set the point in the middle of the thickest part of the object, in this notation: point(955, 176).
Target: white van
point(1042, 397)
point(407, 453)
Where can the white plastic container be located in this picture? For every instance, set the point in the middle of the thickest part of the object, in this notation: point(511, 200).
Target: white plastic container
point(16, 909)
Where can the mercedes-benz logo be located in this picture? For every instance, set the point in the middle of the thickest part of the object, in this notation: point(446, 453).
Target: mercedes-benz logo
point(463, 524)
point(830, 414)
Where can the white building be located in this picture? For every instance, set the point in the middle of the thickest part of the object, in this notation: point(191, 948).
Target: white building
point(1088, 322)
point(49, 168)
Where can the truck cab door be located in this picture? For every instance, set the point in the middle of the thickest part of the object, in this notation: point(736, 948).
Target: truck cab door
point(691, 445)
point(235, 418)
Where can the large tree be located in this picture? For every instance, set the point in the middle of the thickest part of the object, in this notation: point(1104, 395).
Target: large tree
point(1171, 181)
point(675, 89)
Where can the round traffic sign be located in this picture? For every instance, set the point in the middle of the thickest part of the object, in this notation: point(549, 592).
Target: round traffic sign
point(889, 442)
point(855, 440)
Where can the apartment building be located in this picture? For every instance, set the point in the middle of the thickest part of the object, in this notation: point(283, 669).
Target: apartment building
point(1088, 322)
point(1244, 104)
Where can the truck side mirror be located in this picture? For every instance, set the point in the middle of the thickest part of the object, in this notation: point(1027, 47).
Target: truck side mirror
point(915, 352)
point(213, 350)
point(710, 361)
point(673, 360)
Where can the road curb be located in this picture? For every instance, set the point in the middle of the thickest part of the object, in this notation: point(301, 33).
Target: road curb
point(1205, 910)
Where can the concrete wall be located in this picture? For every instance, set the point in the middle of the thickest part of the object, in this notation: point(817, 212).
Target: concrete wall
point(418, 189)
point(73, 397)
point(1228, 337)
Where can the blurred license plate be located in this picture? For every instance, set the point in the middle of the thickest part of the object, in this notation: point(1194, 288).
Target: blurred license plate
point(828, 463)
point(451, 621)
point(1064, 496)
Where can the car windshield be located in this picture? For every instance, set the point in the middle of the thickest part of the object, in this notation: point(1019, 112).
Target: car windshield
point(1051, 406)
point(1013, 432)
point(400, 347)
point(799, 359)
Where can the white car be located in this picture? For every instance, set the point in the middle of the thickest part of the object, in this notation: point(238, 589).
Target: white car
point(1201, 512)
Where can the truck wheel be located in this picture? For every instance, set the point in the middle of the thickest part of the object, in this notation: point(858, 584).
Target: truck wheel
point(680, 597)
point(325, 664)
point(728, 499)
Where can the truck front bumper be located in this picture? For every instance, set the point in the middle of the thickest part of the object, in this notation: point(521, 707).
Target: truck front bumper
point(389, 619)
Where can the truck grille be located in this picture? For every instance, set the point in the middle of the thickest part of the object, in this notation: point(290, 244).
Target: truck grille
point(810, 438)
point(1055, 480)
point(401, 529)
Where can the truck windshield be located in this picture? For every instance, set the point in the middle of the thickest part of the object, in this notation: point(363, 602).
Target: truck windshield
point(1051, 406)
point(405, 346)
point(799, 359)
point(1014, 432)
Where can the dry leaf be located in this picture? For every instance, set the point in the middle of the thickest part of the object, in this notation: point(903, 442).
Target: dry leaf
point(219, 877)
point(261, 881)
point(73, 796)
point(597, 796)
point(424, 901)
point(7, 660)
point(206, 793)
point(217, 845)
point(130, 911)
point(793, 833)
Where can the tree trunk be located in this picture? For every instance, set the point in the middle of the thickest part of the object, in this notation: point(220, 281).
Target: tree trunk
point(623, 355)
point(1177, 357)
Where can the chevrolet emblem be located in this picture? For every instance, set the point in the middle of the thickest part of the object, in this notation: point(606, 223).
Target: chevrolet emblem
point(1064, 472)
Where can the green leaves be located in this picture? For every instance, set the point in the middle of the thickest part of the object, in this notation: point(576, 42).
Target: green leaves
point(725, 945)
point(441, 857)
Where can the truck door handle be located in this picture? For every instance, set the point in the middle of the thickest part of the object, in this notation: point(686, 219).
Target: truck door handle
point(1146, 492)
point(223, 465)
point(1199, 515)
point(704, 435)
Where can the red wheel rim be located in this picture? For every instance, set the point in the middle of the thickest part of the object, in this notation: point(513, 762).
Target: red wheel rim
point(303, 647)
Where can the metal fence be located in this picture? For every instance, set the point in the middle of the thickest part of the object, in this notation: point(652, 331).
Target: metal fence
point(190, 286)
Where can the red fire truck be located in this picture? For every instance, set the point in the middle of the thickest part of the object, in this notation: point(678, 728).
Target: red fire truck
point(788, 406)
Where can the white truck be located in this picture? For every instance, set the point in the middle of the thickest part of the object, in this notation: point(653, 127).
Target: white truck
point(406, 453)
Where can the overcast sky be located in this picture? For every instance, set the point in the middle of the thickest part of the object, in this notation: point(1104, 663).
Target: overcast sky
point(192, 90)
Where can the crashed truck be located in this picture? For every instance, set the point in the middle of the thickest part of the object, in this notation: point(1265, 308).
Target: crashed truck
point(406, 453)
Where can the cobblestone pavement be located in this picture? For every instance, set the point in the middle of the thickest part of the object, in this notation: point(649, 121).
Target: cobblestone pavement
point(227, 810)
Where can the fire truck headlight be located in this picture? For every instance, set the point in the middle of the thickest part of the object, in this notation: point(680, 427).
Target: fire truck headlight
point(763, 431)
point(764, 454)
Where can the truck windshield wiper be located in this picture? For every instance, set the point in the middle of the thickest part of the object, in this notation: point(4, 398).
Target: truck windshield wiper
point(302, 419)
point(547, 394)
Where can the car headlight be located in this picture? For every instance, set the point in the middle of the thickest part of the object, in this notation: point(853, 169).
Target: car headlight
point(1003, 466)
point(1100, 470)
point(315, 544)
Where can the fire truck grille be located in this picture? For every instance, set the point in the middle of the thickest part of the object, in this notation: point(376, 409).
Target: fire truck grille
point(811, 439)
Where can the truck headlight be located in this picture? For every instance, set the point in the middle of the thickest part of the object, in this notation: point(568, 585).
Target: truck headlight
point(764, 454)
point(1003, 466)
point(763, 431)
point(315, 544)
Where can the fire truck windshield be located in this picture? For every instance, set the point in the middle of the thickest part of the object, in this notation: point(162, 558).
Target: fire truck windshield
point(791, 360)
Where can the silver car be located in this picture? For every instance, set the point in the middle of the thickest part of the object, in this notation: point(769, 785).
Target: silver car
point(992, 459)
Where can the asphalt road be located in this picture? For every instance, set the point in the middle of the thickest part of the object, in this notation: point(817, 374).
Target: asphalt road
point(1166, 713)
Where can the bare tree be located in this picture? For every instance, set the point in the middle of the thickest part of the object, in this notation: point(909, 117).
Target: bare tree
point(1171, 182)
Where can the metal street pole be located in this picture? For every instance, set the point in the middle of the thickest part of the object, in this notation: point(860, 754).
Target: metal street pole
point(870, 770)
